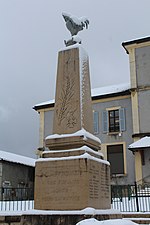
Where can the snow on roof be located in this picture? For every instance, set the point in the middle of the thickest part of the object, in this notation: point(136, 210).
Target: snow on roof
point(45, 103)
point(11, 157)
point(142, 143)
point(118, 88)
point(110, 89)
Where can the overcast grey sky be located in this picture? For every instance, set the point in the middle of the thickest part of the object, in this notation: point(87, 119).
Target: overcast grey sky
point(32, 33)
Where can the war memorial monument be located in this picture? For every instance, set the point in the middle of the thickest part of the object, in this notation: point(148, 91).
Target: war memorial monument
point(72, 175)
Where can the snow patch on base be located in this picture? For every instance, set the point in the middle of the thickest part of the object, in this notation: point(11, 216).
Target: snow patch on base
point(85, 148)
point(81, 132)
point(86, 211)
point(83, 156)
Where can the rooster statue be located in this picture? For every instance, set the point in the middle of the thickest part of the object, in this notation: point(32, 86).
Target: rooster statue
point(74, 25)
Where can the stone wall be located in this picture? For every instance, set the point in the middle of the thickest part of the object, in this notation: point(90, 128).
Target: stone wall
point(53, 219)
point(10, 220)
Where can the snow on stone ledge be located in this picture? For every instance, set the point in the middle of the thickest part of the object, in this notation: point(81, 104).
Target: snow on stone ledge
point(83, 156)
point(142, 143)
point(85, 148)
point(11, 157)
point(86, 211)
point(81, 132)
point(77, 45)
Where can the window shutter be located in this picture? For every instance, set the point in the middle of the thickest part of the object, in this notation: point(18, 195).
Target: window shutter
point(96, 122)
point(122, 119)
point(105, 121)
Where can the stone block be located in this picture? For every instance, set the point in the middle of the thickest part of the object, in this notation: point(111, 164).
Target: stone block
point(3, 223)
point(72, 184)
point(2, 218)
point(14, 218)
point(15, 223)
point(71, 142)
point(73, 152)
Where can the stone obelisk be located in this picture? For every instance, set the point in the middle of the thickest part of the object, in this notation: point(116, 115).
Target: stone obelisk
point(73, 93)
point(73, 106)
point(72, 175)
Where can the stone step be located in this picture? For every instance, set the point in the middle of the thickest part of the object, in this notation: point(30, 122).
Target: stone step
point(139, 218)
point(136, 215)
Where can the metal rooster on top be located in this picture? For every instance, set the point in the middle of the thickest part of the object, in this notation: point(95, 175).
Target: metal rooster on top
point(74, 25)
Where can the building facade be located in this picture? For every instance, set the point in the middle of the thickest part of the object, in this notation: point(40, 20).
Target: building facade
point(16, 172)
point(120, 116)
point(139, 60)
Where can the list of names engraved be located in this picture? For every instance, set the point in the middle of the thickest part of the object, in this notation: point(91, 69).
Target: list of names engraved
point(72, 184)
point(104, 182)
point(93, 182)
point(99, 181)
point(62, 182)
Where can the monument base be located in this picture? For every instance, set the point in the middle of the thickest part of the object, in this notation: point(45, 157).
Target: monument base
point(72, 182)
point(39, 217)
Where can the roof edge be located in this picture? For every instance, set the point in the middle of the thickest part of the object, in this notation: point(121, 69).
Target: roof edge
point(121, 93)
point(135, 41)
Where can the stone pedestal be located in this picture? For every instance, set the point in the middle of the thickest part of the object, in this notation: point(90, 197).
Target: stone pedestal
point(66, 182)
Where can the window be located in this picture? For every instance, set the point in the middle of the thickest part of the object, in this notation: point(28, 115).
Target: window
point(96, 122)
point(116, 158)
point(113, 120)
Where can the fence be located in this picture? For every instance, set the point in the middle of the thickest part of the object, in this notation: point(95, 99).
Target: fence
point(16, 205)
point(16, 199)
point(126, 198)
point(131, 198)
